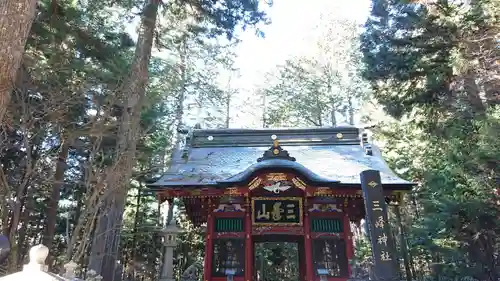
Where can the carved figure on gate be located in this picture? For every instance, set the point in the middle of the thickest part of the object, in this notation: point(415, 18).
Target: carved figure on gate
point(277, 187)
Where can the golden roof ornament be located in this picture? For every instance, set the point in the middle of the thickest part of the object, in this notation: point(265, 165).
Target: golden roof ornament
point(276, 152)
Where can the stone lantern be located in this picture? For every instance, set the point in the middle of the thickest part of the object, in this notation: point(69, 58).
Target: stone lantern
point(170, 233)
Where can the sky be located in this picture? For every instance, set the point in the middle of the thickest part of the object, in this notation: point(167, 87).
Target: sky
point(291, 33)
point(293, 21)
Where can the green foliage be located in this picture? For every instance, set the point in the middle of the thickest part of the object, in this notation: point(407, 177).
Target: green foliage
point(362, 260)
point(277, 261)
point(77, 57)
point(316, 90)
point(141, 243)
point(424, 68)
point(191, 247)
point(222, 16)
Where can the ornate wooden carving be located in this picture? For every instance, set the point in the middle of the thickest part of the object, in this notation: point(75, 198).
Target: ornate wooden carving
point(325, 208)
point(229, 208)
point(285, 230)
point(276, 152)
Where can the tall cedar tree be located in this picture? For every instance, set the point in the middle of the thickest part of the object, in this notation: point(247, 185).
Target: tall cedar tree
point(224, 16)
point(16, 17)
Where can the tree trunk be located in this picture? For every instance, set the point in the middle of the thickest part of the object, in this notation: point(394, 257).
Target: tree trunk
point(320, 115)
point(4, 207)
point(103, 260)
point(333, 118)
point(53, 202)
point(350, 110)
point(181, 96)
point(475, 102)
point(228, 109)
point(21, 195)
point(134, 233)
point(16, 17)
point(227, 100)
point(402, 241)
point(264, 110)
point(23, 230)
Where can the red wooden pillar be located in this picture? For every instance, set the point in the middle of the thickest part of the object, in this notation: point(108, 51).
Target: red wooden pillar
point(248, 243)
point(349, 241)
point(207, 270)
point(308, 245)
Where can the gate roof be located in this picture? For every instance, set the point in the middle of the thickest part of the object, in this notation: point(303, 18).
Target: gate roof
point(325, 156)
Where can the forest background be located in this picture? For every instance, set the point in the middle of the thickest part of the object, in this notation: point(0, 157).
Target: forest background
point(90, 112)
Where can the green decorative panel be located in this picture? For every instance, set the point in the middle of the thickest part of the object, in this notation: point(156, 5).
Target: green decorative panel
point(229, 225)
point(327, 225)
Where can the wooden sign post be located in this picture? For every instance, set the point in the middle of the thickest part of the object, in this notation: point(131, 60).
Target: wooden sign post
point(383, 246)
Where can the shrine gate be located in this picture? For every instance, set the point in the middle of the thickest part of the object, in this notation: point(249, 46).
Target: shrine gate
point(300, 186)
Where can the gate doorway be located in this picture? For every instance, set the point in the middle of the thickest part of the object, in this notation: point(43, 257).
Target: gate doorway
point(278, 257)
